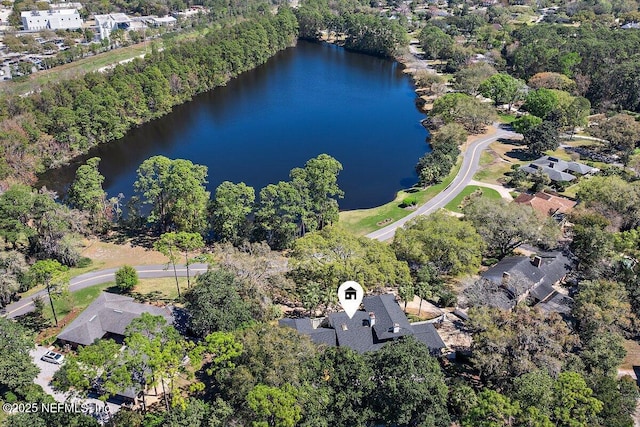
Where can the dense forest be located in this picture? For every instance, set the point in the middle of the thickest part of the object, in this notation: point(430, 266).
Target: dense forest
point(66, 118)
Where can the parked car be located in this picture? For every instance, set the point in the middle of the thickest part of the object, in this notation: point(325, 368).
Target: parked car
point(53, 357)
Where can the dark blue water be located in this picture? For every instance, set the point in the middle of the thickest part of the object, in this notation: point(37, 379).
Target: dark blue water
point(307, 100)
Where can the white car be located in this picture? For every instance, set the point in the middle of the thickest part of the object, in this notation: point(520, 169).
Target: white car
point(53, 357)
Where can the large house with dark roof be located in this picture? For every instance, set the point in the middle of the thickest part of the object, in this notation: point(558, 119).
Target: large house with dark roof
point(558, 170)
point(107, 317)
point(382, 321)
point(540, 273)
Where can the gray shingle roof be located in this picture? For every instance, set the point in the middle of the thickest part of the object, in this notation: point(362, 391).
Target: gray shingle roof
point(387, 313)
point(554, 174)
point(356, 333)
point(554, 266)
point(109, 313)
point(558, 303)
point(426, 333)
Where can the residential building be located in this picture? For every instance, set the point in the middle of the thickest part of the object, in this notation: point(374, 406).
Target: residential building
point(382, 321)
point(108, 317)
point(558, 170)
point(547, 204)
point(540, 274)
point(165, 21)
point(58, 19)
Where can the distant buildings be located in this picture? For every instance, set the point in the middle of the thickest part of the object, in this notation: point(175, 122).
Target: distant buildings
point(59, 19)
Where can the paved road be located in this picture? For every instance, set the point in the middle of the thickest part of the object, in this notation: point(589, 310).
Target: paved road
point(25, 305)
point(470, 162)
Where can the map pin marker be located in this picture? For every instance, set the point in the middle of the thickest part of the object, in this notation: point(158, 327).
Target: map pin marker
point(350, 295)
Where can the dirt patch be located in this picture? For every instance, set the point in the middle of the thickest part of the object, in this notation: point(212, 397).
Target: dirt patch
point(111, 255)
point(633, 355)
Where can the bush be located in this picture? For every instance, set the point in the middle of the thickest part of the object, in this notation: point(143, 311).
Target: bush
point(409, 201)
point(84, 262)
point(126, 278)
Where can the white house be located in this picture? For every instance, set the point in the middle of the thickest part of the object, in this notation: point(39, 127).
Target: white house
point(59, 19)
point(113, 21)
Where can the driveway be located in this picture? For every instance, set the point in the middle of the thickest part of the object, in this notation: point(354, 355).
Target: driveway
point(48, 370)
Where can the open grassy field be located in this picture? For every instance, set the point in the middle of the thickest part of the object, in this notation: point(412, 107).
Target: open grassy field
point(364, 221)
point(488, 193)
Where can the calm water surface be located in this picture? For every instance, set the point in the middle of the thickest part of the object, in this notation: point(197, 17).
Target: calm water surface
point(307, 100)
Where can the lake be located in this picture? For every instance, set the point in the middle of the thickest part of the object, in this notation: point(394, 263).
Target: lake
point(311, 99)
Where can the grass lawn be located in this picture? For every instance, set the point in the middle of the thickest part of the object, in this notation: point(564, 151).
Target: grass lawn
point(506, 118)
point(488, 193)
point(633, 355)
point(364, 221)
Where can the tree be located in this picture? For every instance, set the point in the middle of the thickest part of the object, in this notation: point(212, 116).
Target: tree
point(168, 246)
point(613, 198)
point(43, 272)
point(492, 410)
point(502, 89)
point(463, 109)
point(215, 304)
point(409, 387)
point(278, 214)
point(541, 102)
point(332, 256)
point(550, 80)
point(541, 138)
point(274, 406)
point(508, 344)
point(126, 278)
point(175, 189)
point(188, 243)
point(317, 184)
point(17, 370)
point(622, 132)
point(534, 389)
point(345, 377)
point(469, 78)
point(503, 226)
point(591, 241)
point(231, 206)
point(619, 397)
point(86, 191)
point(525, 123)
point(574, 404)
point(602, 308)
point(603, 354)
point(450, 245)
point(95, 367)
point(435, 42)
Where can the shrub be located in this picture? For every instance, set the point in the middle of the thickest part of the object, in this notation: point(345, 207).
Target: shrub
point(409, 201)
point(84, 262)
point(126, 278)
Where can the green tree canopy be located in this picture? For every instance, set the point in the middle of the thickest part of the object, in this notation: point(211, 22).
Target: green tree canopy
point(231, 206)
point(17, 370)
point(86, 193)
point(452, 246)
point(175, 189)
point(502, 89)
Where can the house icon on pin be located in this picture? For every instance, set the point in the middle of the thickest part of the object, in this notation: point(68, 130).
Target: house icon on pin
point(350, 294)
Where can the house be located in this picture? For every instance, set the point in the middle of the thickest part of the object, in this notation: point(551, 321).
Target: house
point(58, 19)
point(350, 294)
point(113, 21)
point(540, 274)
point(107, 317)
point(558, 170)
point(547, 204)
point(165, 21)
point(381, 322)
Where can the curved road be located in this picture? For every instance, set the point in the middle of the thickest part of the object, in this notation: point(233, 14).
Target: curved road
point(82, 281)
point(470, 162)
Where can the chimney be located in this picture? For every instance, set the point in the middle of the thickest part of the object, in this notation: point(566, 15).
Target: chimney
point(344, 326)
point(537, 261)
point(372, 318)
point(396, 328)
point(505, 277)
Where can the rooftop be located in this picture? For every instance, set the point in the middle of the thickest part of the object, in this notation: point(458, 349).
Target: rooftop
point(109, 313)
point(359, 334)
